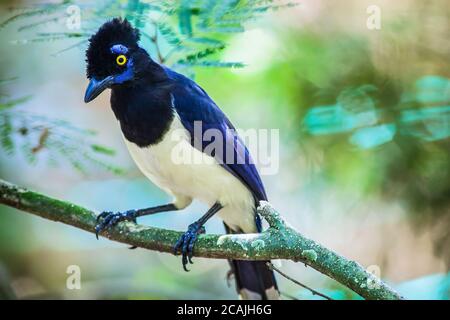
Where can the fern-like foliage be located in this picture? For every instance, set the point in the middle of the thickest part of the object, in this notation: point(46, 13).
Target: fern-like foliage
point(33, 135)
point(422, 114)
point(183, 34)
point(180, 33)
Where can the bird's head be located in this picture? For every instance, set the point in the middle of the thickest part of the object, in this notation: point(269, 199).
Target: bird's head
point(113, 57)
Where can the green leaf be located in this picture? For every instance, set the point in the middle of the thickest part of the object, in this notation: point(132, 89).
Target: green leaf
point(8, 80)
point(39, 23)
point(102, 149)
point(42, 9)
point(184, 17)
point(169, 34)
point(194, 57)
point(75, 45)
point(14, 102)
point(6, 131)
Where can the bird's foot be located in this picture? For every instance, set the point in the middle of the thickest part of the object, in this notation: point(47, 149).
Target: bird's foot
point(110, 219)
point(186, 243)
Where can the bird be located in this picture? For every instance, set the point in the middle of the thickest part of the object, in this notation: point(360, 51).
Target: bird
point(158, 111)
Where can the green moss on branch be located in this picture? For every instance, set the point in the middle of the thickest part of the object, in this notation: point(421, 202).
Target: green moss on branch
point(278, 242)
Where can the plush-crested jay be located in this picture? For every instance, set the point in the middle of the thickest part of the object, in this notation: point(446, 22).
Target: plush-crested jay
point(157, 109)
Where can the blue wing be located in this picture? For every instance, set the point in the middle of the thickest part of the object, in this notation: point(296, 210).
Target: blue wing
point(192, 104)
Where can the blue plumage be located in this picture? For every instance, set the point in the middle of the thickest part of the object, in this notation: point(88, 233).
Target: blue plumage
point(192, 104)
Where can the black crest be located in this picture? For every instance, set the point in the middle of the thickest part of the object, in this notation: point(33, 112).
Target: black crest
point(98, 56)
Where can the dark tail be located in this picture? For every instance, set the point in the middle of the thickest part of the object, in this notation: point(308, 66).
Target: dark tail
point(254, 279)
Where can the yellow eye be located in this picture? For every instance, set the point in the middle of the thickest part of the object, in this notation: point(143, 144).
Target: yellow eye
point(121, 60)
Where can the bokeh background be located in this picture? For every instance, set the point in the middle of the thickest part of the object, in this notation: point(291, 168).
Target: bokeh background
point(363, 117)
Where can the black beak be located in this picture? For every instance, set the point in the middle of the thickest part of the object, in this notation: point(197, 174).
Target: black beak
point(96, 87)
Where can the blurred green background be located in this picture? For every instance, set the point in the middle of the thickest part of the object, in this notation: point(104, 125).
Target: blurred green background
point(363, 117)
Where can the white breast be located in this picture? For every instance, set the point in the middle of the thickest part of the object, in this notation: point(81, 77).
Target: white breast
point(183, 171)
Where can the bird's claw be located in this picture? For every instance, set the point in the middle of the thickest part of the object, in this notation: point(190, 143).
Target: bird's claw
point(186, 243)
point(110, 219)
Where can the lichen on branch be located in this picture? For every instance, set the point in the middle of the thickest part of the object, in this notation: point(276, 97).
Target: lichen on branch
point(279, 241)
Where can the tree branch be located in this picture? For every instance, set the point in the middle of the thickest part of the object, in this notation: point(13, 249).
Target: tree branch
point(279, 241)
point(314, 292)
